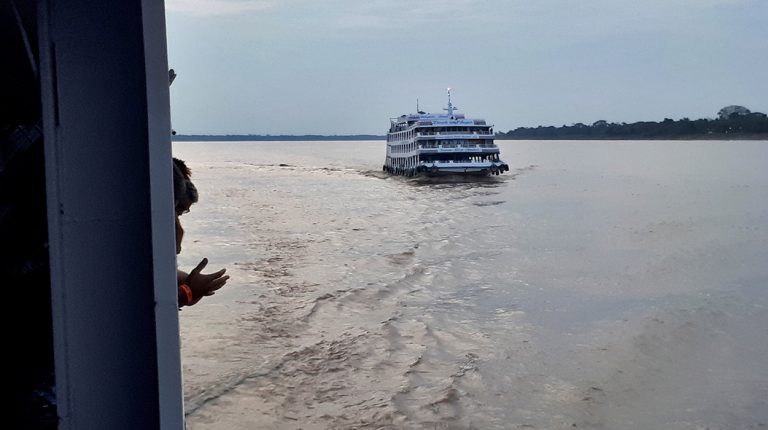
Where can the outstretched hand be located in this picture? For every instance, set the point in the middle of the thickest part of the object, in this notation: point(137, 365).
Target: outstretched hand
point(203, 284)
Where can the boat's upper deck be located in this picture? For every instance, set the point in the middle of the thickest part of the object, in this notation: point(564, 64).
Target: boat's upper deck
point(412, 121)
point(416, 125)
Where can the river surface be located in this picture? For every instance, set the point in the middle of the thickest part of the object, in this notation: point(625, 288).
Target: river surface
point(598, 285)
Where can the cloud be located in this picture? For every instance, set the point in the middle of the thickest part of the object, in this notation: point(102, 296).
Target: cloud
point(393, 14)
point(365, 22)
point(218, 7)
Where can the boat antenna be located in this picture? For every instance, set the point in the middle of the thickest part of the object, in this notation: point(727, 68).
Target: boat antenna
point(418, 110)
point(450, 107)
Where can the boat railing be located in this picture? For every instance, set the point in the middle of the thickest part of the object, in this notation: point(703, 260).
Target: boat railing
point(452, 133)
point(433, 146)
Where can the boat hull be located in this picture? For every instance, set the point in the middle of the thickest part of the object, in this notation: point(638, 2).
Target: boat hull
point(442, 170)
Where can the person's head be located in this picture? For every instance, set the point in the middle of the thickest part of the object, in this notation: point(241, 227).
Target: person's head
point(184, 191)
point(184, 195)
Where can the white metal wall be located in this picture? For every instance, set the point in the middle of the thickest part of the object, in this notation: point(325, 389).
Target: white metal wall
point(104, 79)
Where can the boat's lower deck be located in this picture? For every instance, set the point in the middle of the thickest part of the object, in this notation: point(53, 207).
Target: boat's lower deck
point(446, 163)
point(450, 168)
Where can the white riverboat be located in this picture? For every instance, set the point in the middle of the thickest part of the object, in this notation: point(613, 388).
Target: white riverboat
point(446, 143)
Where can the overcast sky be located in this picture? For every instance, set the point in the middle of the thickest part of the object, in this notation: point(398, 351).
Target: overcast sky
point(347, 66)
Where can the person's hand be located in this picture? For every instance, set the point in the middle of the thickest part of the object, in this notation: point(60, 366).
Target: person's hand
point(204, 284)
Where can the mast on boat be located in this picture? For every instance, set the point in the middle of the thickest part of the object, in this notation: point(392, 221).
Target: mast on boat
point(450, 107)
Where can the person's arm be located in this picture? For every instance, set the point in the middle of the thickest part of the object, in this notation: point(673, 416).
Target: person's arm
point(195, 285)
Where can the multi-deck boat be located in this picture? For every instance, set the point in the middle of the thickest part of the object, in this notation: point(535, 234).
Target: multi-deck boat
point(434, 144)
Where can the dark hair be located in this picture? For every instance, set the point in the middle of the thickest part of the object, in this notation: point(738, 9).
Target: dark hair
point(184, 191)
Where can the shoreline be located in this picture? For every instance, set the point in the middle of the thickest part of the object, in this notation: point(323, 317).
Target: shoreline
point(213, 138)
point(718, 137)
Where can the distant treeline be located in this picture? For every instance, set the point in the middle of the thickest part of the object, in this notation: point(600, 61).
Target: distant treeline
point(744, 126)
point(282, 137)
point(733, 122)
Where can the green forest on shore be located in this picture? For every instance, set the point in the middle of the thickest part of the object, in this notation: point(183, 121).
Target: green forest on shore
point(732, 123)
point(735, 126)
